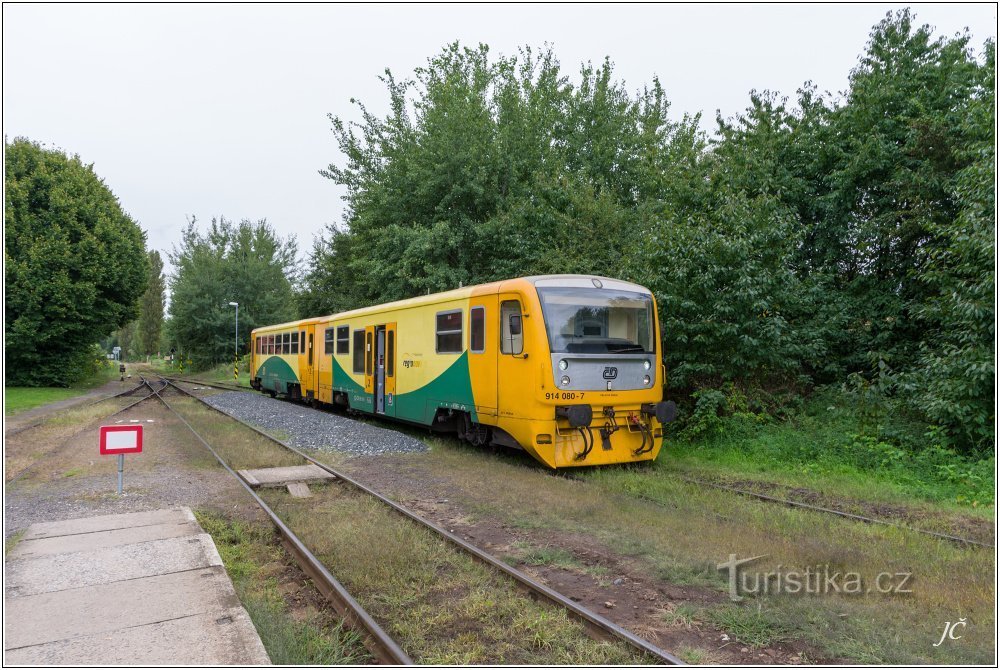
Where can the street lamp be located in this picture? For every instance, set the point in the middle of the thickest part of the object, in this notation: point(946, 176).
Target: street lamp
point(236, 343)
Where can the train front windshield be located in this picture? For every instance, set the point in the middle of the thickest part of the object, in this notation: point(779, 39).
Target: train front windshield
point(597, 321)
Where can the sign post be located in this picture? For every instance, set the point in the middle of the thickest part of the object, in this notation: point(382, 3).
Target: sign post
point(121, 440)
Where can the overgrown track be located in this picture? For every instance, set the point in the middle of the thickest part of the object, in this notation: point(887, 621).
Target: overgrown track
point(142, 384)
point(382, 647)
point(800, 505)
point(835, 512)
point(698, 482)
point(595, 625)
point(218, 385)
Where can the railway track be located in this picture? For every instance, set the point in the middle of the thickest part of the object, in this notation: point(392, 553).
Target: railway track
point(964, 541)
point(749, 494)
point(95, 401)
point(379, 643)
point(143, 384)
point(218, 385)
point(827, 510)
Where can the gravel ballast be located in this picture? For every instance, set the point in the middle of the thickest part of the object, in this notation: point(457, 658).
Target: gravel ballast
point(314, 429)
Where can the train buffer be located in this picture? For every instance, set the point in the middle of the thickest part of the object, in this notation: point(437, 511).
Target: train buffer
point(145, 588)
point(296, 477)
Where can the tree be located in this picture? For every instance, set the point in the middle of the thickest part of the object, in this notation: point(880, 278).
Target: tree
point(75, 264)
point(246, 263)
point(487, 168)
point(151, 307)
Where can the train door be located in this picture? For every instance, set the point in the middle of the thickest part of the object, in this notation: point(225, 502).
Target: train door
point(483, 345)
point(370, 364)
point(513, 375)
point(304, 364)
point(380, 370)
point(389, 406)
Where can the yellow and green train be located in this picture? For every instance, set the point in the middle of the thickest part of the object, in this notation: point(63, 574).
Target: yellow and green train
point(566, 367)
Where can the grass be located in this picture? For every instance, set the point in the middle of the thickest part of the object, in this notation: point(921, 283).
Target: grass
point(692, 655)
point(21, 398)
point(220, 373)
point(11, 542)
point(554, 556)
point(691, 529)
point(25, 448)
point(752, 625)
point(832, 444)
point(254, 560)
point(239, 446)
point(441, 605)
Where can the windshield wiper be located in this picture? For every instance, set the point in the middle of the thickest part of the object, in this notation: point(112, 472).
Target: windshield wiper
point(630, 350)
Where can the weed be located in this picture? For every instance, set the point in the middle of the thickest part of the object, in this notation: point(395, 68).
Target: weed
point(250, 553)
point(681, 615)
point(691, 655)
point(751, 624)
point(12, 542)
point(549, 556)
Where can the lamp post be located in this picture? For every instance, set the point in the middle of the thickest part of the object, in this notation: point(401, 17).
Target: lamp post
point(236, 343)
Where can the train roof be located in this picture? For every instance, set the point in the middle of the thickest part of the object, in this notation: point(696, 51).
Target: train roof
point(569, 280)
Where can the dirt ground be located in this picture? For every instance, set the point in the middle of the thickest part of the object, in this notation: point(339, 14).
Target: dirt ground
point(605, 581)
point(68, 479)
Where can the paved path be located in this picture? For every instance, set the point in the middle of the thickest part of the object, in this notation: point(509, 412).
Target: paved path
point(146, 588)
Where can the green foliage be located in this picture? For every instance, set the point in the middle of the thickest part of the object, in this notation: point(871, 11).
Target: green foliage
point(491, 168)
point(75, 265)
point(833, 435)
point(246, 263)
point(151, 307)
point(806, 243)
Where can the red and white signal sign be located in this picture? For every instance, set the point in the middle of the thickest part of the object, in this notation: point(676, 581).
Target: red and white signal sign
point(121, 439)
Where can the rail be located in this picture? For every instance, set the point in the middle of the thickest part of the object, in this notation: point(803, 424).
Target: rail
point(596, 625)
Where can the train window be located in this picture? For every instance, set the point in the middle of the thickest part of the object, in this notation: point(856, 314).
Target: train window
point(449, 332)
point(328, 341)
point(295, 343)
point(369, 354)
point(286, 343)
point(390, 365)
point(256, 344)
point(477, 330)
point(343, 340)
point(302, 341)
point(511, 337)
point(270, 345)
point(359, 351)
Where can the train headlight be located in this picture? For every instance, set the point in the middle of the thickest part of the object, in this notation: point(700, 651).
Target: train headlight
point(564, 381)
point(645, 380)
point(563, 364)
point(645, 365)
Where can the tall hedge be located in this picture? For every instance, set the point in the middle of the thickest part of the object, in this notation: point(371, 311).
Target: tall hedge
point(75, 265)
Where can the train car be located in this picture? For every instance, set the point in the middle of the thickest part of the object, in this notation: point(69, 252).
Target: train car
point(281, 359)
point(566, 367)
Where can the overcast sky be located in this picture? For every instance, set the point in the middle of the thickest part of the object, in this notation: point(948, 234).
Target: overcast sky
point(207, 110)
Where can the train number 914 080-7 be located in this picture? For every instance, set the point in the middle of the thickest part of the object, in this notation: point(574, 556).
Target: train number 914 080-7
point(564, 395)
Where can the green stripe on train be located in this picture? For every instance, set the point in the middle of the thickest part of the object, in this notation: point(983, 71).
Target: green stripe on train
point(451, 389)
point(276, 374)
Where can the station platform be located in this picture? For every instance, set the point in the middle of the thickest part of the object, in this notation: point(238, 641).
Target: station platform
point(146, 588)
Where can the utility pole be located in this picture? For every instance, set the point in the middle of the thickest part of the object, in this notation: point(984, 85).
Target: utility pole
point(236, 343)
